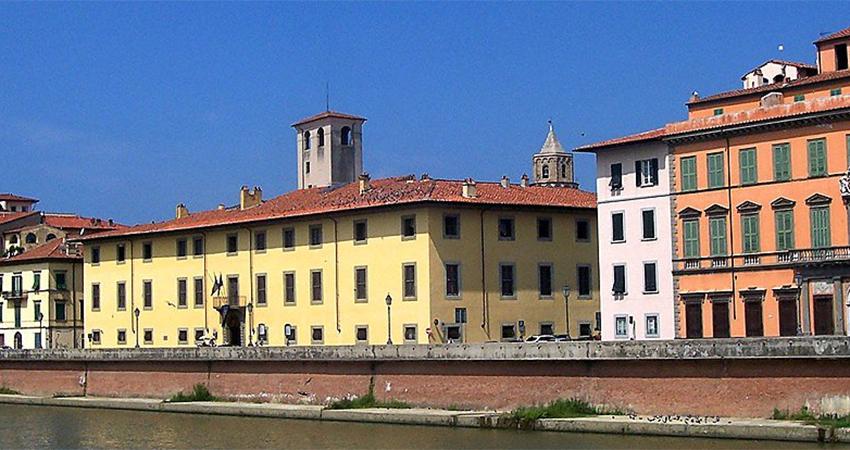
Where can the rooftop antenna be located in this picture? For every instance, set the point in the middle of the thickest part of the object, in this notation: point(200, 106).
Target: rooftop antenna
point(327, 96)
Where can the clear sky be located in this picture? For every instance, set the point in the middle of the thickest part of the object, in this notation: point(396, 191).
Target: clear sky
point(124, 110)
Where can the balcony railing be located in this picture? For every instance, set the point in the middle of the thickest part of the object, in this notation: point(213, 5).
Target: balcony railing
point(234, 301)
point(785, 257)
point(15, 296)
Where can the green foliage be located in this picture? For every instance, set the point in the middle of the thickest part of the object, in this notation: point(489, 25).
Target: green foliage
point(367, 401)
point(561, 408)
point(806, 416)
point(6, 391)
point(199, 393)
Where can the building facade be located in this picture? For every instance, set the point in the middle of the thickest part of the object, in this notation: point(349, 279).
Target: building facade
point(401, 260)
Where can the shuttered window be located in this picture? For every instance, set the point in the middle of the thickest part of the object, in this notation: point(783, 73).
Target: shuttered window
point(750, 229)
point(781, 162)
point(784, 230)
point(689, 173)
point(715, 170)
point(691, 236)
point(748, 166)
point(717, 233)
point(817, 158)
point(820, 227)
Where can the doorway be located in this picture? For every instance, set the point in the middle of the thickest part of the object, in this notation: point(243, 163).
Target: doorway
point(823, 315)
point(233, 328)
point(754, 318)
point(720, 319)
point(693, 320)
point(788, 317)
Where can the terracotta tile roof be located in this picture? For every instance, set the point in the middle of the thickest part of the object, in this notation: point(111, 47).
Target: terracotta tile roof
point(325, 114)
point(383, 192)
point(650, 135)
point(16, 198)
point(74, 221)
point(52, 250)
point(814, 79)
point(837, 35)
point(6, 217)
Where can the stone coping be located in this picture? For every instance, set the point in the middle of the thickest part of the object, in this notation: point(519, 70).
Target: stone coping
point(697, 349)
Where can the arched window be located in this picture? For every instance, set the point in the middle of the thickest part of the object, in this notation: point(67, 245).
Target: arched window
point(321, 135)
point(306, 140)
point(13, 239)
point(345, 136)
point(779, 78)
point(563, 170)
point(31, 239)
point(19, 341)
point(545, 171)
point(51, 237)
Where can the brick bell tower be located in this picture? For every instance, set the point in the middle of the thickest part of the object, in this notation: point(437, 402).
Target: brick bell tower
point(329, 148)
point(553, 166)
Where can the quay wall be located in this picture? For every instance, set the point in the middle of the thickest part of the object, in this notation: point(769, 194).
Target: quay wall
point(731, 377)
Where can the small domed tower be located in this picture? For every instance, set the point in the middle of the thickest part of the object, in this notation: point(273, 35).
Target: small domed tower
point(330, 150)
point(553, 166)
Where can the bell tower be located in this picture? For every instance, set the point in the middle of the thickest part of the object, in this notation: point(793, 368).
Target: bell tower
point(552, 165)
point(329, 149)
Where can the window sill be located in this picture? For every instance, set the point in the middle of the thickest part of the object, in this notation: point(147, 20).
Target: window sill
point(507, 297)
point(408, 299)
point(649, 239)
point(540, 239)
point(232, 253)
point(121, 263)
point(585, 297)
point(451, 237)
point(506, 239)
point(650, 292)
point(197, 256)
point(289, 249)
point(315, 246)
point(181, 258)
point(260, 252)
point(546, 297)
point(316, 302)
point(147, 260)
point(363, 242)
point(287, 304)
point(361, 301)
point(619, 242)
point(408, 238)
point(454, 297)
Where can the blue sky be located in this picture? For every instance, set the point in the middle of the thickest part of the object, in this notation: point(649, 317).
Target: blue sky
point(123, 110)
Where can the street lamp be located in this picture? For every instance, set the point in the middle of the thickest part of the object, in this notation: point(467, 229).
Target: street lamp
point(798, 280)
point(41, 328)
point(137, 313)
point(250, 324)
point(389, 300)
point(566, 291)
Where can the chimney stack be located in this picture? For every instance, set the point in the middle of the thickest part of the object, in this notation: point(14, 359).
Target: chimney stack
point(506, 182)
point(524, 180)
point(694, 96)
point(425, 177)
point(364, 181)
point(469, 188)
point(250, 198)
point(220, 206)
point(182, 211)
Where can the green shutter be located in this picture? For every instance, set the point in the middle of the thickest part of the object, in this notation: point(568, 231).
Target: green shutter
point(691, 233)
point(689, 173)
point(820, 227)
point(835, 92)
point(747, 163)
point(715, 170)
point(817, 158)
point(750, 227)
point(781, 162)
point(717, 230)
point(784, 230)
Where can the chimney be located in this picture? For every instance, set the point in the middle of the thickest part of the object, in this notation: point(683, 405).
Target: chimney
point(221, 206)
point(772, 99)
point(250, 198)
point(694, 97)
point(425, 177)
point(182, 211)
point(365, 182)
point(506, 182)
point(468, 188)
point(523, 181)
point(112, 223)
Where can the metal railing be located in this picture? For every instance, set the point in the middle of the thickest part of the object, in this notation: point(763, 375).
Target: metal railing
point(15, 296)
point(785, 257)
point(231, 300)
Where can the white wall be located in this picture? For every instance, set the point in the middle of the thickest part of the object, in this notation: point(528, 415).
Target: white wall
point(635, 251)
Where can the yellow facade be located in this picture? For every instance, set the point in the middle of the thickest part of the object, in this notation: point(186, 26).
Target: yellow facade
point(170, 323)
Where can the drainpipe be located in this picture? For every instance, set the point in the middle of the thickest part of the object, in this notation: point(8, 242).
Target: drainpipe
point(336, 274)
point(204, 283)
point(731, 232)
point(250, 283)
point(485, 313)
point(132, 292)
point(74, 302)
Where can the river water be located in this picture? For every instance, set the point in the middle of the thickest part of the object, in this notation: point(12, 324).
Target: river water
point(58, 427)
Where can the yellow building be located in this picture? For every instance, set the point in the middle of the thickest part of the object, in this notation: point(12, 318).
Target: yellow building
point(405, 259)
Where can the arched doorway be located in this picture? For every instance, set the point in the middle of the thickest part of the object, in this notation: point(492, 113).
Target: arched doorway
point(233, 328)
point(19, 341)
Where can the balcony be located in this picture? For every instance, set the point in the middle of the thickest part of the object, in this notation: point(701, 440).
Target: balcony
point(765, 259)
point(233, 301)
point(15, 296)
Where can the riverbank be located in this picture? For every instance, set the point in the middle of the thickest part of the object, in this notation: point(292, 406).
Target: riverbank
point(674, 426)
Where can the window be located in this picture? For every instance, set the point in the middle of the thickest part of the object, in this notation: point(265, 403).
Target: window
point(410, 334)
point(316, 286)
point(718, 111)
point(307, 142)
point(547, 328)
point(346, 137)
point(584, 281)
point(95, 297)
point(584, 329)
point(148, 336)
point(199, 334)
point(750, 229)
point(288, 238)
point(307, 167)
point(60, 312)
point(361, 333)
point(582, 230)
point(95, 337)
point(544, 229)
point(292, 336)
point(646, 172)
point(360, 231)
point(50, 237)
point(182, 293)
point(260, 241)
point(321, 135)
point(31, 238)
point(232, 243)
point(120, 253)
point(460, 315)
point(652, 325)
point(648, 222)
point(183, 336)
point(616, 176)
point(452, 280)
point(715, 170)
point(147, 294)
point(835, 92)
point(820, 227)
point(507, 278)
point(650, 278)
point(619, 287)
point(621, 327)
point(545, 171)
point(784, 229)
point(618, 227)
point(317, 335)
point(198, 292)
point(717, 235)
point(18, 284)
point(782, 162)
point(408, 227)
point(689, 173)
point(95, 255)
point(289, 288)
point(121, 295)
point(544, 280)
point(122, 336)
point(37, 311)
point(747, 163)
point(799, 97)
point(36, 281)
point(841, 56)
point(817, 157)
point(61, 283)
point(360, 293)
point(147, 251)
point(508, 331)
point(198, 246)
point(451, 226)
point(17, 307)
point(182, 248)
point(409, 280)
point(506, 229)
point(315, 235)
point(261, 290)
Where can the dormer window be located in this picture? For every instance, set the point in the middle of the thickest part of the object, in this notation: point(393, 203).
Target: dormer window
point(306, 140)
point(321, 136)
point(346, 137)
point(31, 239)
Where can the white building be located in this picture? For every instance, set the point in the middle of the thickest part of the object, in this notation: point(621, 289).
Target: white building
point(635, 245)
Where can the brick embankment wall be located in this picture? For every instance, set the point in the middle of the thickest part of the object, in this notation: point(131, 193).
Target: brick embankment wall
point(728, 378)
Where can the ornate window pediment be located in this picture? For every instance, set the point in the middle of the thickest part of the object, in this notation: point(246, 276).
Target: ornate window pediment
point(689, 213)
point(748, 206)
point(818, 199)
point(782, 203)
point(716, 210)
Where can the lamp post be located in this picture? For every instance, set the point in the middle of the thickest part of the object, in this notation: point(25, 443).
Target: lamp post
point(136, 313)
point(250, 324)
point(389, 321)
point(566, 292)
point(798, 280)
point(41, 329)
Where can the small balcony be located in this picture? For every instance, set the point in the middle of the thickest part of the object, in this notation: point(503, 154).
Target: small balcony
point(233, 301)
point(808, 256)
point(15, 296)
